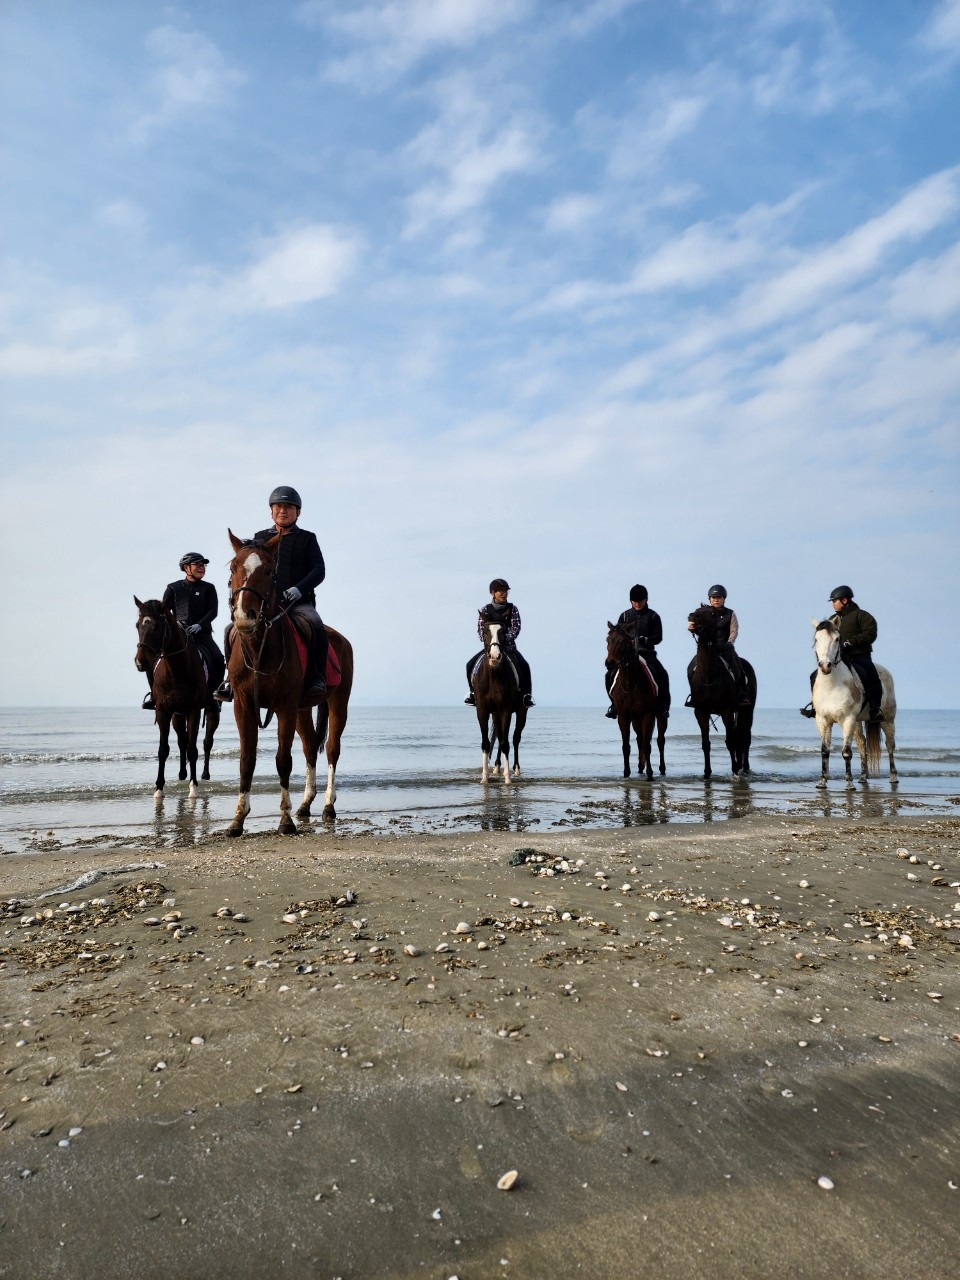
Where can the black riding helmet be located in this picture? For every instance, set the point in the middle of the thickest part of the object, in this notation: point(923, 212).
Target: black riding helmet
point(638, 593)
point(192, 557)
point(499, 584)
point(842, 593)
point(717, 590)
point(284, 493)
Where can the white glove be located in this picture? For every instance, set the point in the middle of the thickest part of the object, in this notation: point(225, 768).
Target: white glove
point(292, 595)
point(194, 629)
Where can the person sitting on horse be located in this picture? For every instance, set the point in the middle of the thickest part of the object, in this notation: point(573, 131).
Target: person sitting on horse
point(193, 602)
point(501, 611)
point(858, 631)
point(299, 569)
point(728, 628)
point(645, 627)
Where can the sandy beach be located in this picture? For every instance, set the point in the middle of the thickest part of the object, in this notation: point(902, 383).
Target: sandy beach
point(705, 1051)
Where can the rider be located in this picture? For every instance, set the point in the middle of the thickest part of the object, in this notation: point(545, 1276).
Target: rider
point(299, 569)
point(858, 630)
point(194, 604)
point(647, 630)
point(508, 615)
point(727, 631)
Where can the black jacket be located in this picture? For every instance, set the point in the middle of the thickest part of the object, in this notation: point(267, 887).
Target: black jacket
point(645, 627)
point(192, 602)
point(299, 561)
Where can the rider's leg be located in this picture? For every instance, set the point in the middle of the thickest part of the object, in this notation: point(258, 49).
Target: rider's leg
point(525, 677)
point(225, 693)
point(148, 703)
point(471, 699)
point(607, 682)
point(315, 676)
point(808, 710)
point(862, 663)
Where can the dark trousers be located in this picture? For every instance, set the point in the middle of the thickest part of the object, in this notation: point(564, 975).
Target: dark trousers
point(213, 658)
point(518, 660)
point(657, 670)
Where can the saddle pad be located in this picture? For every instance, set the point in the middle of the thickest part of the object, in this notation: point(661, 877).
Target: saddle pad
point(649, 674)
point(333, 674)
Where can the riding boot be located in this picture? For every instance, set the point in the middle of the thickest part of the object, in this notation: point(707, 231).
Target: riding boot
point(528, 700)
point(876, 716)
point(148, 703)
point(224, 693)
point(808, 711)
point(610, 712)
point(470, 700)
point(314, 682)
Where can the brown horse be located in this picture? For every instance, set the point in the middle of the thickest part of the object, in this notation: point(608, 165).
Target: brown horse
point(713, 691)
point(266, 672)
point(499, 700)
point(635, 701)
point(179, 689)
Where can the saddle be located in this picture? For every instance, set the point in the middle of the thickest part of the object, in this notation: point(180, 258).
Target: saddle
point(476, 668)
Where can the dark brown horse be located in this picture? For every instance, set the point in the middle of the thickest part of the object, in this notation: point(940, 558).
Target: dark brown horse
point(714, 691)
point(179, 689)
point(499, 700)
point(266, 672)
point(635, 701)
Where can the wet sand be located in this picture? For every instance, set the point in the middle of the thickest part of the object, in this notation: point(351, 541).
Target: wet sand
point(673, 1068)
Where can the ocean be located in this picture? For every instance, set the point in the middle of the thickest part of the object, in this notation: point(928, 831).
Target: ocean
point(84, 777)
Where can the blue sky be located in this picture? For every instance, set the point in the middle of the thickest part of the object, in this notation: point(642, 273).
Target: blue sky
point(578, 294)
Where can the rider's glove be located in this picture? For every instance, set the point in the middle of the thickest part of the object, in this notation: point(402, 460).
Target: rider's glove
point(194, 629)
point(292, 595)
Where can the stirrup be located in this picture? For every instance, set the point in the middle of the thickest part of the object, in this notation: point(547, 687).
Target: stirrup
point(688, 700)
point(528, 700)
point(610, 712)
point(148, 703)
point(470, 700)
point(808, 711)
point(876, 716)
point(317, 689)
point(224, 693)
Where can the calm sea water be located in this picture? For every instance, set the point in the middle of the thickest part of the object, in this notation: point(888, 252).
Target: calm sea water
point(86, 775)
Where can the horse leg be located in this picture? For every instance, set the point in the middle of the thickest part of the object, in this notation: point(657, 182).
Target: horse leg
point(852, 730)
point(180, 729)
point(212, 722)
point(163, 723)
point(486, 747)
point(286, 726)
point(310, 741)
point(890, 736)
point(703, 719)
point(730, 739)
point(245, 715)
point(518, 728)
point(661, 740)
point(646, 744)
point(826, 737)
point(191, 732)
point(503, 743)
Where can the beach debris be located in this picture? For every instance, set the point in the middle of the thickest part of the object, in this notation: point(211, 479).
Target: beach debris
point(507, 1181)
point(411, 950)
point(290, 917)
point(621, 1086)
point(90, 877)
point(223, 913)
point(463, 927)
point(825, 1183)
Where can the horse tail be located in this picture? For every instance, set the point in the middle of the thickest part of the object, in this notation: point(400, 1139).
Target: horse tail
point(873, 748)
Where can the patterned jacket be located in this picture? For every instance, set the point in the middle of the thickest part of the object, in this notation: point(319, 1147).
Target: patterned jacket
point(508, 616)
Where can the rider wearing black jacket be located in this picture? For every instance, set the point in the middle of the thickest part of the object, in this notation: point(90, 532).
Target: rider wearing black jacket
point(300, 568)
point(645, 626)
point(193, 603)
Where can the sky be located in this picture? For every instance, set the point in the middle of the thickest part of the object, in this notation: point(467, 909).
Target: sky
point(579, 293)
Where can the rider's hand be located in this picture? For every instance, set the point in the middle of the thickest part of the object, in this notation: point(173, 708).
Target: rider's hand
point(194, 629)
point(292, 595)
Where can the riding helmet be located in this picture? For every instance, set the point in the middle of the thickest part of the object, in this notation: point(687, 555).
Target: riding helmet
point(717, 590)
point(192, 557)
point(842, 593)
point(638, 593)
point(499, 584)
point(284, 493)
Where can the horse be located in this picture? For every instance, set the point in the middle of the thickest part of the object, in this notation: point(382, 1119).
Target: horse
point(180, 690)
point(636, 701)
point(713, 691)
point(838, 698)
point(266, 672)
point(499, 700)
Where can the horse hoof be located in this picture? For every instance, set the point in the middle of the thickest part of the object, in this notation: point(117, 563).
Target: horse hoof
point(205, 776)
point(329, 813)
point(287, 828)
point(821, 785)
point(303, 811)
point(182, 775)
point(235, 829)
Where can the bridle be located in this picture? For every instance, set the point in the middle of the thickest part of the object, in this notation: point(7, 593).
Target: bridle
point(151, 623)
point(251, 661)
point(835, 649)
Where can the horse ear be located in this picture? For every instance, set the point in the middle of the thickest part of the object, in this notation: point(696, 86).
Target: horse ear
point(814, 622)
point(272, 543)
point(236, 542)
point(138, 603)
point(609, 626)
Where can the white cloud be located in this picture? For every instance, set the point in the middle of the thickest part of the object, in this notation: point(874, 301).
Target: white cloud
point(295, 267)
point(941, 32)
point(192, 76)
point(572, 212)
point(396, 34)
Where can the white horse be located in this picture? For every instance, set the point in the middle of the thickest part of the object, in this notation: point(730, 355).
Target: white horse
point(838, 698)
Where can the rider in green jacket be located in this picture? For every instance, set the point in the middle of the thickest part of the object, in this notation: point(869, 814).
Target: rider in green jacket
point(858, 631)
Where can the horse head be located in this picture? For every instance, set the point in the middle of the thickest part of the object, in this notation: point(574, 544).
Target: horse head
point(252, 581)
point(620, 645)
point(826, 643)
point(704, 622)
point(491, 643)
point(154, 624)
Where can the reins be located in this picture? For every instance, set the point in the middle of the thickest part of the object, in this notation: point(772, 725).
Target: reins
point(266, 623)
